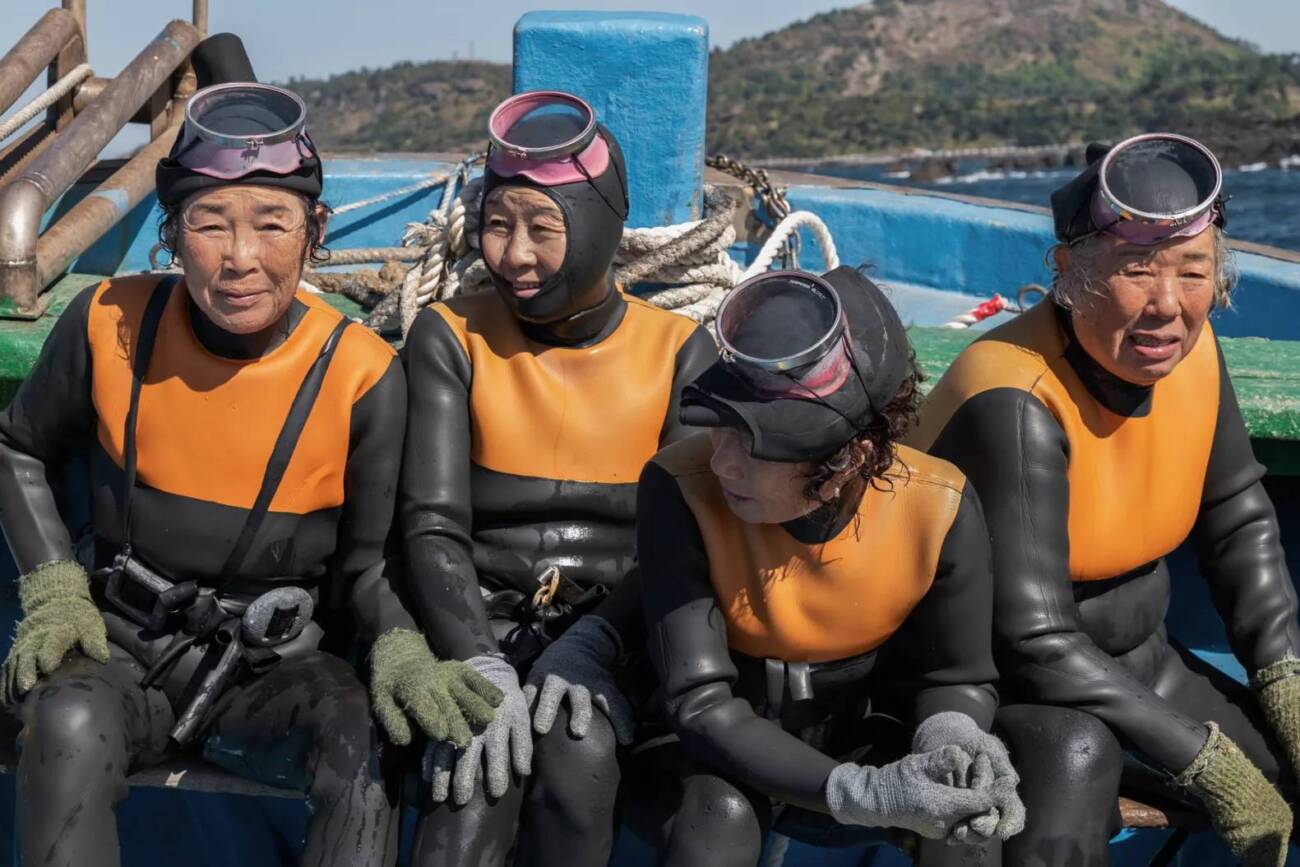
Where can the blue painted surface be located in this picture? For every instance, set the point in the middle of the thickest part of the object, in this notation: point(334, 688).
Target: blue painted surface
point(646, 76)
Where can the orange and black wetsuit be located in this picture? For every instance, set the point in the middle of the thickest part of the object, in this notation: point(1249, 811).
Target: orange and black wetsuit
point(524, 446)
point(209, 414)
point(772, 642)
point(1088, 482)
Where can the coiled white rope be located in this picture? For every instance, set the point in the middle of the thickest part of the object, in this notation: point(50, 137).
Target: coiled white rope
point(52, 94)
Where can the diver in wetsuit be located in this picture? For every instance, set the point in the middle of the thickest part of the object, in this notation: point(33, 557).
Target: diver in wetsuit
point(243, 441)
point(818, 596)
point(533, 407)
point(1101, 430)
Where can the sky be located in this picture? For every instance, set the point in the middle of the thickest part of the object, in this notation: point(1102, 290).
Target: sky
point(314, 38)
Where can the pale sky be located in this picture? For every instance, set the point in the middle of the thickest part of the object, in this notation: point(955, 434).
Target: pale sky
point(318, 37)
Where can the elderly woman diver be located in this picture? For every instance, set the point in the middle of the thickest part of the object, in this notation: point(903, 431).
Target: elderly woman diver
point(1101, 430)
point(243, 441)
point(818, 595)
point(534, 406)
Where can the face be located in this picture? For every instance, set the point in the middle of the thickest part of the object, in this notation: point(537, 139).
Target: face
point(758, 491)
point(523, 239)
point(1152, 304)
point(243, 248)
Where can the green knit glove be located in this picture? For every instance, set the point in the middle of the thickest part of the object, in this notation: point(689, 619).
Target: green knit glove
point(1277, 689)
point(58, 616)
point(444, 698)
point(1244, 807)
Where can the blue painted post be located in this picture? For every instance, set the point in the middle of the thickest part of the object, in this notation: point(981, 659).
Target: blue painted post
point(646, 75)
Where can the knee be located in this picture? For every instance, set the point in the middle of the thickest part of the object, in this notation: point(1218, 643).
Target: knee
point(1060, 745)
point(70, 720)
point(593, 754)
point(716, 812)
point(578, 777)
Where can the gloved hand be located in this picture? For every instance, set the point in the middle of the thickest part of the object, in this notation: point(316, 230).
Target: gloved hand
point(1244, 807)
point(444, 698)
point(58, 616)
point(506, 742)
point(992, 769)
point(1277, 687)
point(922, 792)
point(579, 665)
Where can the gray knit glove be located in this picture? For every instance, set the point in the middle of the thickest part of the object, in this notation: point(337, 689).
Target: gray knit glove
point(506, 742)
point(992, 769)
point(580, 666)
point(1244, 808)
point(922, 792)
point(59, 617)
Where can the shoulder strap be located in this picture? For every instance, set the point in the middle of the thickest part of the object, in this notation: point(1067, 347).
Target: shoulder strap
point(283, 450)
point(139, 367)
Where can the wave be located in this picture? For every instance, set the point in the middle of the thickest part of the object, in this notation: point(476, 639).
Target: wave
point(1003, 175)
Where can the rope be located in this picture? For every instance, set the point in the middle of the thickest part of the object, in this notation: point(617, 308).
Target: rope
point(53, 94)
point(995, 305)
point(434, 181)
point(374, 255)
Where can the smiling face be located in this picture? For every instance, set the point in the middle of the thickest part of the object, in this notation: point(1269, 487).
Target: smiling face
point(242, 248)
point(523, 239)
point(1151, 303)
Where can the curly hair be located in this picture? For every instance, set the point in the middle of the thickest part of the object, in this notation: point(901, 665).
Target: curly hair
point(315, 251)
point(873, 453)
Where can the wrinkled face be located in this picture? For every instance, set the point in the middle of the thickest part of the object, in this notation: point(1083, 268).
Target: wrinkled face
point(758, 491)
point(1152, 304)
point(523, 239)
point(243, 248)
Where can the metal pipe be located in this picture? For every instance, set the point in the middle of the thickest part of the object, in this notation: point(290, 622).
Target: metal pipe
point(35, 51)
point(201, 16)
point(86, 93)
point(24, 201)
point(98, 212)
point(78, 10)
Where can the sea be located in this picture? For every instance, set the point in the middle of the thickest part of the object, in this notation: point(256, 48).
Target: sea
point(1264, 204)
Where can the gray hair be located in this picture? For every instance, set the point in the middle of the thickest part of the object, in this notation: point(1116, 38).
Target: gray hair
point(1070, 287)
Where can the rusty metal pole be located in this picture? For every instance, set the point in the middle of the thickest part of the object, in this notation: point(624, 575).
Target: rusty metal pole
point(26, 198)
point(78, 10)
point(36, 50)
point(98, 212)
point(201, 16)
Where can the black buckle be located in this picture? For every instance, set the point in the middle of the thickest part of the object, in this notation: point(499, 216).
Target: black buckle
point(144, 597)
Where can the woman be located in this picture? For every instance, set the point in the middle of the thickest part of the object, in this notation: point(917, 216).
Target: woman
point(811, 576)
point(533, 408)
point(1101, 429)
point(243, 441)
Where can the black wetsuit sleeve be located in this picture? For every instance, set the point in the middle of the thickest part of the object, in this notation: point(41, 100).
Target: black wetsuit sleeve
point(1240, 546)
point(943, 653)
point(50, 417)
point(688, 646)
point(693, 358)
point(434, 503)
point(377, 428)
point(1016, 454)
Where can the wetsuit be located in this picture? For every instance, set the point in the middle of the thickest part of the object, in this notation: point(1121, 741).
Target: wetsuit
point(1088, 482)
point(523, 450)
point(209, 414)
point(780, 646)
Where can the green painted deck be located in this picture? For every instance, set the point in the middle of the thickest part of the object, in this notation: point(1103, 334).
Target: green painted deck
point(1266, 373)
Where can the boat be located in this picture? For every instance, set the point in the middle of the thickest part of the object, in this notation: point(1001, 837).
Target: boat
point(68, 219)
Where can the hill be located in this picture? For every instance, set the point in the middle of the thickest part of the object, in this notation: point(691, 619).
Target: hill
point(901, 73)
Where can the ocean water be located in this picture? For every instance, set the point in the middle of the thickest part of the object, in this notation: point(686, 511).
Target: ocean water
point(1264, 205)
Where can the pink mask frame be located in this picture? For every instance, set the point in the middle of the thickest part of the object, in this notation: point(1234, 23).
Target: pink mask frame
point(1114, 217)
point(209, 152)
point(582, 157)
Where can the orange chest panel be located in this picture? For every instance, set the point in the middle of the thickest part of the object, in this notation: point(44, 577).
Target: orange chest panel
point(590, 414)
point(207, 424)
point(788, 600)
point(1135, 482)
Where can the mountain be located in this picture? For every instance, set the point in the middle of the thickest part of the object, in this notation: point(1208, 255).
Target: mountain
point(901, 73)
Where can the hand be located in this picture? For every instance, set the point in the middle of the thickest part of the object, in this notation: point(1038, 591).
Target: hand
point(1244, 807)
point(58, 617)
point(579, 666)
point(443, 698)
point(1277, 688)
point(922, 792)
point(991, 770)
point(505, 743)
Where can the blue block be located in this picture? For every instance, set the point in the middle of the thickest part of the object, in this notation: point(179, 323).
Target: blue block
point(646, 75)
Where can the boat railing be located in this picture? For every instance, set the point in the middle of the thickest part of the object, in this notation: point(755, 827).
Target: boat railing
point(42, 164)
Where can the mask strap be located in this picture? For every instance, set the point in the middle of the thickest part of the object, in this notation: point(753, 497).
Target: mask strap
point(592, 182)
